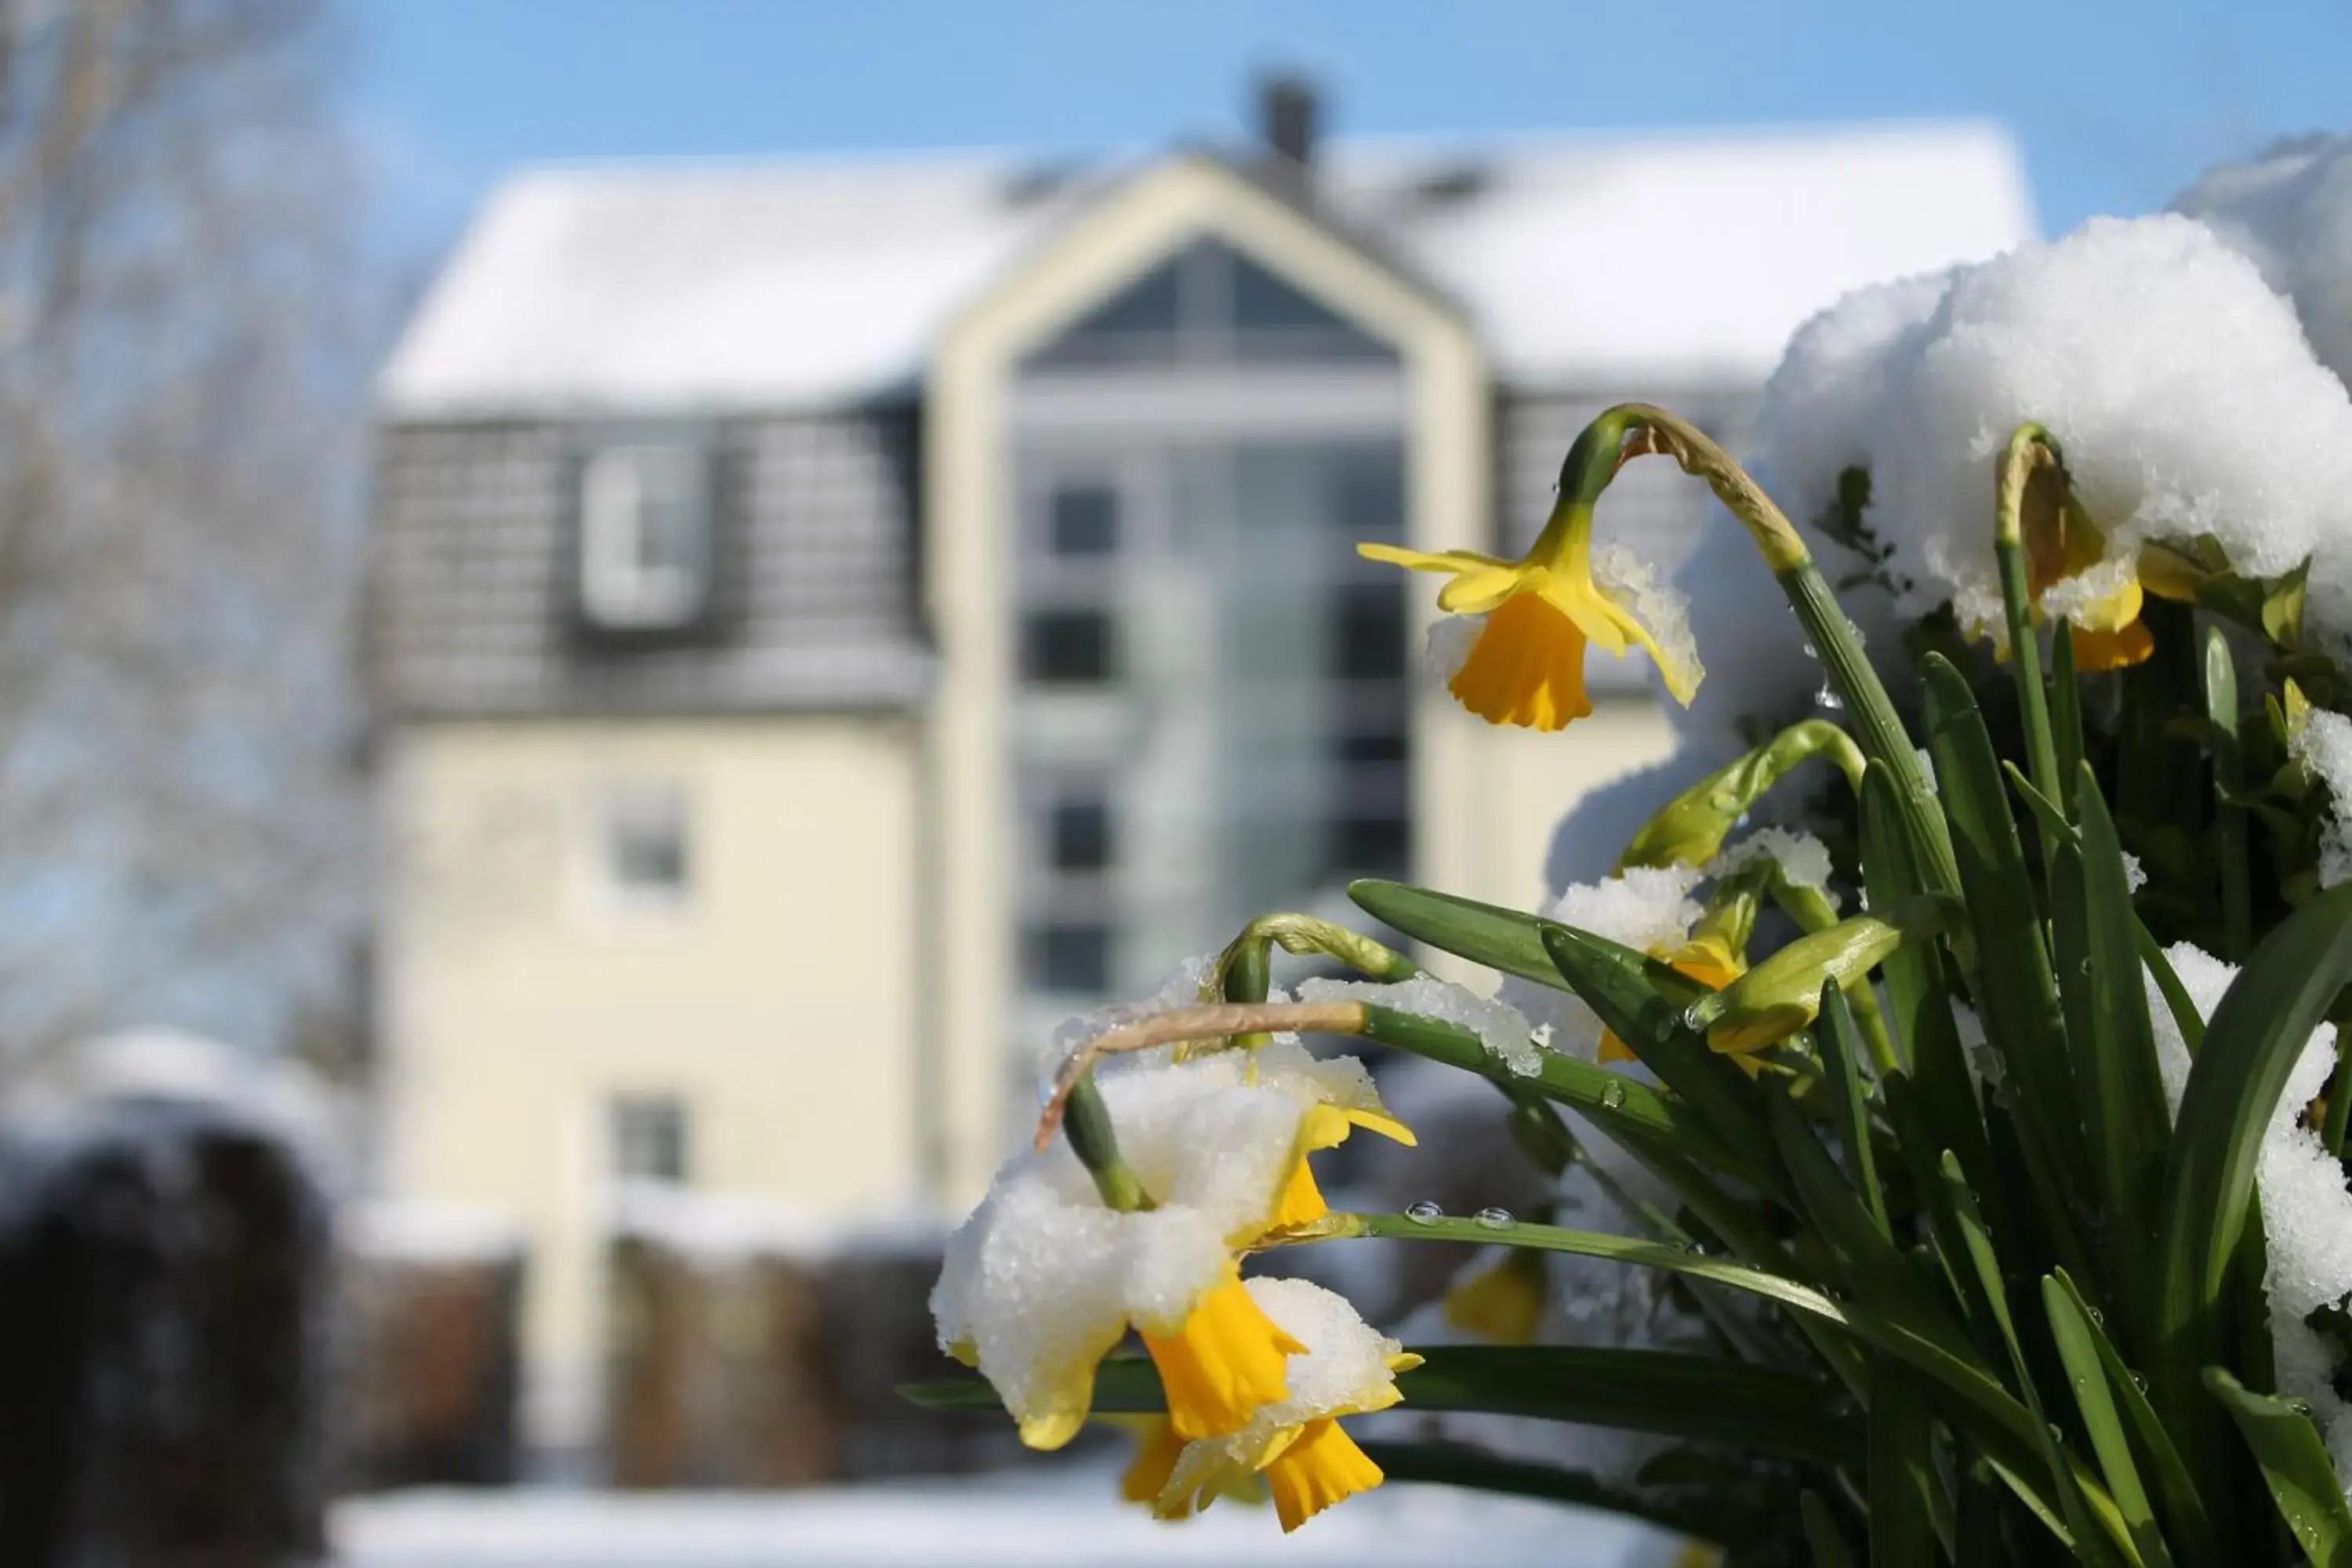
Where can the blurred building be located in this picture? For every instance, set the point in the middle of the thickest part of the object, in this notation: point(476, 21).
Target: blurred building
point(835, 618)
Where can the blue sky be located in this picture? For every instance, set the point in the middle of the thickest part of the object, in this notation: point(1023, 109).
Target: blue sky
point(2115, 102)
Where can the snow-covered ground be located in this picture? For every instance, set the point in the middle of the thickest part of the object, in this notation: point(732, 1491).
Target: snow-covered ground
point(1063, 1516)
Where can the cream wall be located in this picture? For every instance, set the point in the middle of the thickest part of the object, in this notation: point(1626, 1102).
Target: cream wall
point(1508, 788)
point(778, 1002)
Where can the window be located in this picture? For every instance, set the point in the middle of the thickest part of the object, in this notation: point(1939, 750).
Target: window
point(647, 1137)
point(1082, 520)
point(1081, 834)
point(1069, 647)
point(644, 858)
point(1209, 304)
point(1070, 956)
point(1371, 846)
point(645, 537)
point(1368, 632)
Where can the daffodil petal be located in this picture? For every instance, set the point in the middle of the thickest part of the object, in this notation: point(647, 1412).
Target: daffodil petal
point(1480, 589)
point(1525, 668)
point(1387, 1126)
point(1426, 559)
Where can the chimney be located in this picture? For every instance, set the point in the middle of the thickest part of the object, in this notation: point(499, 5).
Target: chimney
point(1286, 115)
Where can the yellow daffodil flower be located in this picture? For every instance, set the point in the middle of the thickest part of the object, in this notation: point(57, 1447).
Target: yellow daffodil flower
point(1526, 666)
point(1153, 1466)
point(1326, 1127)
point(1226, 1360)
point(1308, 1461)
point(1045, 1278)
point(1502, 1305)
point(2062, 543)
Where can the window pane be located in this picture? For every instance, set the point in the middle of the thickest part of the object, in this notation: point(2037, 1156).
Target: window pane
point(1069, 647)
point(1068, 956)
point(1081, 834)
point(1084, 520)
point(645, 858)
point(645, 547)
point(1368, 632)
point(647, 1133)
point(1374, 845)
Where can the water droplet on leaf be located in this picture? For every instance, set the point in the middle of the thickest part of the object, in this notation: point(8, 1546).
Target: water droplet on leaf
point(1612, 1095)
point(1496, 1219)
point(1424, 1213)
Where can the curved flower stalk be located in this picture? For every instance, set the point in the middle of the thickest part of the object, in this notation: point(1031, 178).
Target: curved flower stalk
point(1307, 1459)
point(1047, 1277)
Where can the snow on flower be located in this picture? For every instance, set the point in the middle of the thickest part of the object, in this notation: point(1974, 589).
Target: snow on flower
point(2322, 741)
point(1646, 908)
point(1502, 1028)
point(2175, 379)
point(1309, 1460)
point(2306, 1212)
point(1043, 1278)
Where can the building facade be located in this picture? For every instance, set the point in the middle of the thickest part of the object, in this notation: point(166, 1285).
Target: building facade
point(835, 620)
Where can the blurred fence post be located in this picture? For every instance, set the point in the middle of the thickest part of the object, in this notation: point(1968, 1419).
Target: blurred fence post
point(430, 1359)
point(162, 1272)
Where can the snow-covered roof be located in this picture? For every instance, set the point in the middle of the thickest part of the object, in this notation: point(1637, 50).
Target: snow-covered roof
point(816, 283)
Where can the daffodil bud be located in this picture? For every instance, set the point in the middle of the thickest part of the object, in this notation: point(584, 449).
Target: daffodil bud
point(1087, 1124)
point(1691, 829)
point(1782, 995)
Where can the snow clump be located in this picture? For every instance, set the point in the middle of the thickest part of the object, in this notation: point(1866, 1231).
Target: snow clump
point(2306, 1212)
point(2175, 380)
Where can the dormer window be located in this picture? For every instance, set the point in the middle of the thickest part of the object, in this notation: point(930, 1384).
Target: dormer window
point(645, 536)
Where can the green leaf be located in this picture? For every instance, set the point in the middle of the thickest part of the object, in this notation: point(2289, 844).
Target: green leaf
point(2263, 1024)
point(1841, 1045)
point(1508, 940)
point(2125, 1109)
point(2048, 815)
point(2283, 601)
point(2014, 987)
point(2065, 702)
point(2069, 1328)
point(1821, 1533)
point(1787, 1292)
point(1927, 1037)
point(1613, 1100)
point(1617, 984)
point(2184, 1509)
point(2071, 1506)
point(1902, 1487)
point(2230, 841)
point(1672, 1394)
point(2294, 1463)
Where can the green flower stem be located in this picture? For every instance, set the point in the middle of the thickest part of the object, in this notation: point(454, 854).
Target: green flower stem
point(1632, 430)
point(1690, 830)
point(1876, 724)
point(1245, 970)
point(2030, 451)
